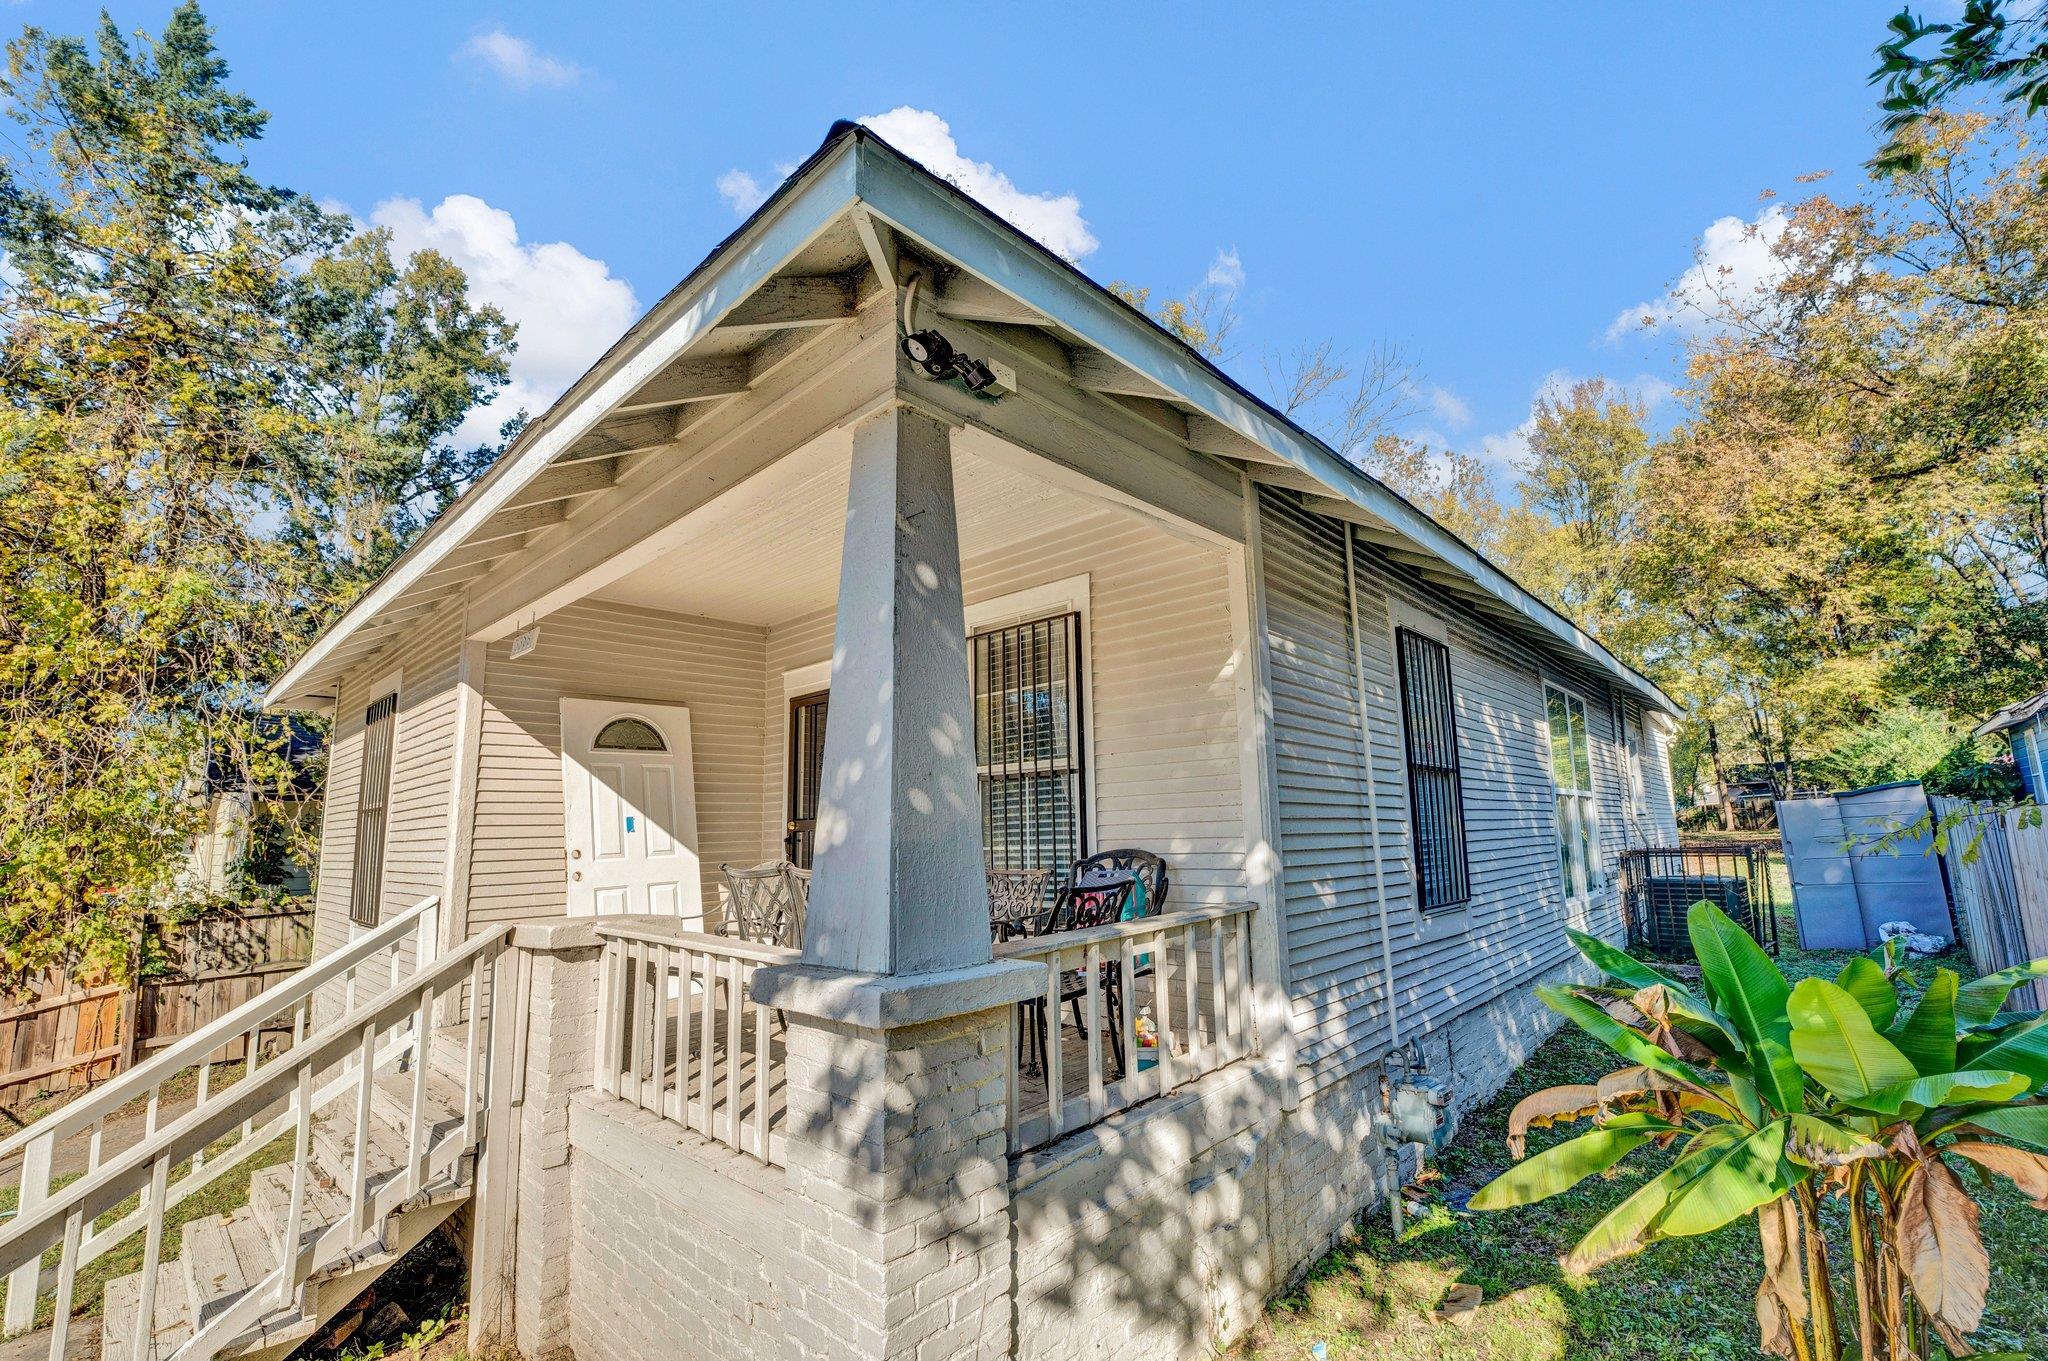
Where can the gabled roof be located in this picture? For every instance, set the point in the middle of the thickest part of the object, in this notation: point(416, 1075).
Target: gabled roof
point(2013, 715)
point(808, 255)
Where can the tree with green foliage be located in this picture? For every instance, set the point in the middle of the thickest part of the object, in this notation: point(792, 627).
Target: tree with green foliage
point(1779, 1098)
point(1994, 43)
point(224, 408)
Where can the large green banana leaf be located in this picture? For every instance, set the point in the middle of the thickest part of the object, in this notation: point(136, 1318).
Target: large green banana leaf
point(1941, 1089)
point(1833, 1040)
point(1979, 1000)
point(1620, 1038)
point(1864, 979)
point(1624, 1229)
point(1751, 1173)
point(2021, 1049)
point(1565, 1165)
point(2024, 1124)
point(1927, 1035)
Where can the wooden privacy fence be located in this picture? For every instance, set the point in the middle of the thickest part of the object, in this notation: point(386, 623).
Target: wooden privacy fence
point(70, 1032)
point(1998, 875)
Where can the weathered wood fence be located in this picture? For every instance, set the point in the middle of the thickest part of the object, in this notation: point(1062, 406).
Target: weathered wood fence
point(1998, 875)
point(67, 1031)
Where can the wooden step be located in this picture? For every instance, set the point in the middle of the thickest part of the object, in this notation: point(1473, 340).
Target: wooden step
point(173, 1322)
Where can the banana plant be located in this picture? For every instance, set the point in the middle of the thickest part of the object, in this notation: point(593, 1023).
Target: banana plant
point(1776, 1097)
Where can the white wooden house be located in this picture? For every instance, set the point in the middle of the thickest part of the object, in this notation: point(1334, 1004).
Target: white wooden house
point(759, 587)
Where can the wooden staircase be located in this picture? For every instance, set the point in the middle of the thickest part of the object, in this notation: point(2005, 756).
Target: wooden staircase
point(381, 1111)
point(229, 1259)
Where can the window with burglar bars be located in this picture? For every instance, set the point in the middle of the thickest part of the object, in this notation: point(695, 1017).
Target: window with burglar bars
point(1028, 743)
point(1436, 795)
point(373, 800)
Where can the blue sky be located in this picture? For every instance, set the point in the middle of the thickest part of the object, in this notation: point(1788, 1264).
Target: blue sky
point(1487, 187)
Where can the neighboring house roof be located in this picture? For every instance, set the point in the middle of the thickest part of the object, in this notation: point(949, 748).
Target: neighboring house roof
point(2013, 715)
point(1003, 276)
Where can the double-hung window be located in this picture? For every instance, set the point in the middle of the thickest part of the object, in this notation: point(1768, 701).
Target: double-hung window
point(373, 801)
point(1436, 796)
point(1028, 742)
point(1578, 811)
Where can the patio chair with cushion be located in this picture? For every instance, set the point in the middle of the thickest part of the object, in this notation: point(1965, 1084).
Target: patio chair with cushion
point(1090, 907)
point(1141, 868)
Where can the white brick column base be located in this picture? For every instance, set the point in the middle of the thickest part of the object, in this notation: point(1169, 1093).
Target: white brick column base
point(897, 1152)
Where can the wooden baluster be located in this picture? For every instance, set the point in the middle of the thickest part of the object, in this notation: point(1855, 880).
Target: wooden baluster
point(664, 960)
point(142, 1345)
point(1219, 996)
point(24, 1284)
point(1162, 993)
point(473, 1046)
point(636, 1006)
point(417, 1123)
point(1127, 989)
point(1092, 971)
point(156, 1094)
point(1191, 1021)
point(67, 1279)
point(302, 1174)
point(205, 1076)
point(249, 1045)
point(1241, 970)
point(360, 1210)
point(398, 959)
point(607, 1019)
point(705, 1073)
point(1013, 1078)
point(1055, 1060)
point(686, 967)
point(735, 1010)
point(764, 1091)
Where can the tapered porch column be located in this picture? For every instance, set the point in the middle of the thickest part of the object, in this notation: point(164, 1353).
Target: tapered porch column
point(898, 886)
point(898, 1023)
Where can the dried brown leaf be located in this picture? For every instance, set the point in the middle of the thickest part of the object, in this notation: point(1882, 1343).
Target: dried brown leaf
point(1941, 1247)
point(1570, 1102)
point(2028, 1171)
point(1781, 1296)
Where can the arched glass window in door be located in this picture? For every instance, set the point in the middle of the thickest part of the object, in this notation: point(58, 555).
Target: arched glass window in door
point(629, 734)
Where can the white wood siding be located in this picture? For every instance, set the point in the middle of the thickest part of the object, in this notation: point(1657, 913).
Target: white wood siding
point(1161, 691)
point(601, 649)
point(1512, 927)
point(422, 767)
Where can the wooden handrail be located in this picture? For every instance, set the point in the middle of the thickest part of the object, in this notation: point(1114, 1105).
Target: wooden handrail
point(40, 1226)
point(1056, 942)
point(112, 1095)
point(671, 931)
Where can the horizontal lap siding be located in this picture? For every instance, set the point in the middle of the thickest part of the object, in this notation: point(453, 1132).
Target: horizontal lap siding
point(603, 650)
point(422, 769)
point(1512, 926)
point(1161, 691)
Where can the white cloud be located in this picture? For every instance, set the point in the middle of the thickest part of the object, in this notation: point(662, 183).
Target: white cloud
point(741, 191)
point(1734, 263)
point(1054, 219)
point(1447, 406)
point(1226, 271)
point(569, 307)
point(518, 62)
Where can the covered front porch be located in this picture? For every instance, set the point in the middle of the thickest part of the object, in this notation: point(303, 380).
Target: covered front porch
point(685, 705)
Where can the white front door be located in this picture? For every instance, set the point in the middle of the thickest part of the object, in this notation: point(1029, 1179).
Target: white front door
point(630, 810)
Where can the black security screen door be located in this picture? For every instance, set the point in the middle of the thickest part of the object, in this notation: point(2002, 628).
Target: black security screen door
point(1028, 744)
point(806, 766)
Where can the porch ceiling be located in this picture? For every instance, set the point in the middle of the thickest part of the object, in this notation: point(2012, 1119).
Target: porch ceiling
point(768, 550)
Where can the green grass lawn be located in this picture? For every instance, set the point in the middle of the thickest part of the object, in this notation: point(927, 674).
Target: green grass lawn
point(1686, 1300)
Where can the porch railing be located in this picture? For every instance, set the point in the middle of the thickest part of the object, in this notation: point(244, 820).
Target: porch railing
point(678, 1035)
point(1186, 974)
point(366, 966)
point(339, 1066)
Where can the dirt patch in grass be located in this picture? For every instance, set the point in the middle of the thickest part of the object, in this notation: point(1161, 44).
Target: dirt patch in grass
point(1686, 1300)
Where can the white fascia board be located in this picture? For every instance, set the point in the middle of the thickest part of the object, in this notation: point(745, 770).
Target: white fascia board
point(927, 213)
point(668, 330)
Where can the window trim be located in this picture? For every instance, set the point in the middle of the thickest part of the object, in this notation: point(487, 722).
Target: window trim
point(1456, 769)
point(1066, 595)
point(1575, 902)
point(391, 684)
